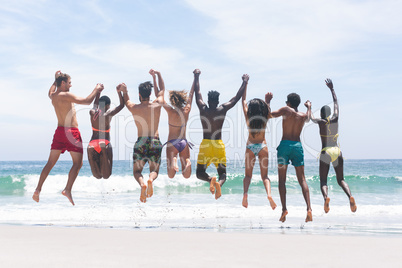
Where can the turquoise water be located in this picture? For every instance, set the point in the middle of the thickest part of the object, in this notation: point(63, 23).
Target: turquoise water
point(180, 203)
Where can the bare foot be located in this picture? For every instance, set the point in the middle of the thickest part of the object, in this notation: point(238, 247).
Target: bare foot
point(188, 164)
point(309, 216)
point(283, 216)
point(68, 195)
point(150, 189)
point(245, 201)
point(326, 205)
point(175, 166)
point(353, 206)
point(36, 196)
point(143, 197)
point(271, 202)
point(218, 192)
point(212, 185)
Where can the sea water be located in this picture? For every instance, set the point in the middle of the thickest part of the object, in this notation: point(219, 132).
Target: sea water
point(187, 204)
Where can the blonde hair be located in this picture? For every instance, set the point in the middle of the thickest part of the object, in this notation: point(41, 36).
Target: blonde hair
point(178, 98)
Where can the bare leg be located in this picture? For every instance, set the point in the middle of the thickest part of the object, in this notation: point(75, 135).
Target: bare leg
point(185, 162)
point(263, 157)
point(106, 158)
point(325, 159)
point(53, 157)
point(305, 190)
point(282, 169)
point(338, 166)
point(202, 174)
point(138, 166)
point(171, 154)
point(212, 185)
point(154, 170)
point(72, 175)
point(249, 160)
point(94, 162)
point(222, 179)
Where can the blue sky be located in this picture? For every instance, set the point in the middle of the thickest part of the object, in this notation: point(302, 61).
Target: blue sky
point(285, 46)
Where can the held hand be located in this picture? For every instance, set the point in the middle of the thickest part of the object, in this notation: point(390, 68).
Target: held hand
point(57, 74)
point(329, 83)
point(307, 104)
point(245, 77)
point(122, 88)
point(197, 72)
point(152, 72)
point(99, 87)
point(268, 97)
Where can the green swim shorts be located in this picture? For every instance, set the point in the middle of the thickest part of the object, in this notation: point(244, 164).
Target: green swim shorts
point(290, 150)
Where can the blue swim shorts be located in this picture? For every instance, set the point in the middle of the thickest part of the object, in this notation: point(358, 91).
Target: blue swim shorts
point(290, 150)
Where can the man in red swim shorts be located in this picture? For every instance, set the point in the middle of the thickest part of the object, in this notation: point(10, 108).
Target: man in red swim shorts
point(67, 136)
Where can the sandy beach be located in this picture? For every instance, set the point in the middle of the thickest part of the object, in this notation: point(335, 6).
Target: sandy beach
point(27, 246)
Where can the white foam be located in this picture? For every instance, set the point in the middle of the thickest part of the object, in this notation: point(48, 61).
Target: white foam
point(117, 184)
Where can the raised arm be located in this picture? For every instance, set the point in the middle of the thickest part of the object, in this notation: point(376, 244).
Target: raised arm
point(244, 102)
point(280, 112)
point(308, 113)
point(315, 120)
point(159, 91)
point(88, 100)
point(228, 105)
point(197, 73)
point(53, 87)
point(198, 97)
point(331, 87)
point(96, 101)
point(117, 109)
point(123, 88)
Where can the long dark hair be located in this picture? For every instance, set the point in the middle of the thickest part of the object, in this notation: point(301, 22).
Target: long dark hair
point(257, 114)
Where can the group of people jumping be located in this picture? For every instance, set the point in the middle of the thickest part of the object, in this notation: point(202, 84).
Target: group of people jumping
point(148, 147)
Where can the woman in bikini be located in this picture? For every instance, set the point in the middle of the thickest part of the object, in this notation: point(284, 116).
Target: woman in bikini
point(100, 153)
point(331, 153)
point(177, 143)
point(256, 113)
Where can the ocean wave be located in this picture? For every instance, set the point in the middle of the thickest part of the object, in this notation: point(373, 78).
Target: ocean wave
point(18, 184)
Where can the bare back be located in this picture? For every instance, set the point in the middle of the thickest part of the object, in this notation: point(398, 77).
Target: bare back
point(328, 132)
point(146, 117)
point(177, 119)
point(212, 121)
point(292, 123)
point(258, 137)
point(65, 110)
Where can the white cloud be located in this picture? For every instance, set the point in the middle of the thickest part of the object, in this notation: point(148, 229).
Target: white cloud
point(289, 32)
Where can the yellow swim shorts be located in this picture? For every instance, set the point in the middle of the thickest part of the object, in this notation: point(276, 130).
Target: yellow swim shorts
point(212, 151)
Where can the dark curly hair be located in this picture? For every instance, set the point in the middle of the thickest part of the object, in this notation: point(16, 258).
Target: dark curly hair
point(104, 99)
point(145, 89)
point(62, 77)
point(294, 100)
point(257, 114)
point(213, 96)
point(178, 98)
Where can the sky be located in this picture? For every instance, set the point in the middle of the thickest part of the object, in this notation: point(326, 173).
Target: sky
point(285, 46)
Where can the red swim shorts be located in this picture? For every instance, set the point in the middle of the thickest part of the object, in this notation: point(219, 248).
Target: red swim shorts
point(67, 138)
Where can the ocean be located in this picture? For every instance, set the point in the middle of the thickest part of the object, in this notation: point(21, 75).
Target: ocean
point(187, 204)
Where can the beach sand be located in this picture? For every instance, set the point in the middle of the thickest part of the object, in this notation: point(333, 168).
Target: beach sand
point(31, 246)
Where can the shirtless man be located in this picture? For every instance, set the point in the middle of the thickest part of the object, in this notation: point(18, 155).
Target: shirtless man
point(148, 147)
point(330, 152)
point(212, 149)
point(67, 136)
point(290, 148)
